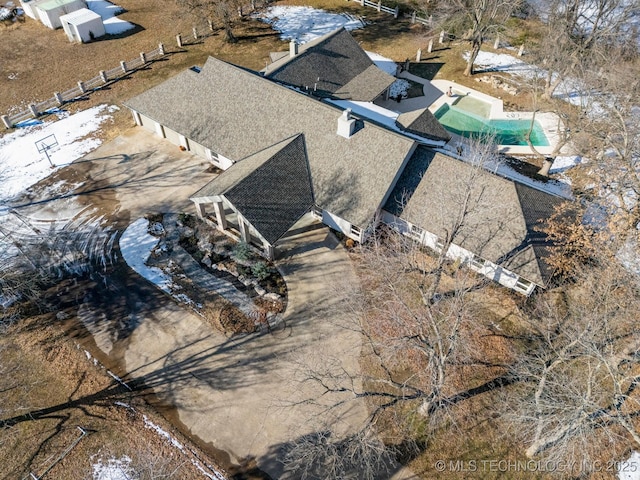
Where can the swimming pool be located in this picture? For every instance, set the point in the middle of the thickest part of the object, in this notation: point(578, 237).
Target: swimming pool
point(506, 131)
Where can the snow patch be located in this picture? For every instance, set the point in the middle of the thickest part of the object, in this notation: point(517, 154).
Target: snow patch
point(22, 166)
point(108, 11)
point(113, 469)
point(136, 244)
point(163, 433)
point(303, 24)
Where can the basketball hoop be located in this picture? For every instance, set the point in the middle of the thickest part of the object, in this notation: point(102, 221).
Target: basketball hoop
point(45, 144)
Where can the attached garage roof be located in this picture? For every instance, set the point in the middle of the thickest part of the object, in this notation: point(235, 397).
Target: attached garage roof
point(236, 113)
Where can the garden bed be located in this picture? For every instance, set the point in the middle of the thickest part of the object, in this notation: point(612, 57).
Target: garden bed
point(225, 258)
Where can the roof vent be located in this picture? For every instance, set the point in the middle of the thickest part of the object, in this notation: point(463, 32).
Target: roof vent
point(293, 48)
point(346, 124)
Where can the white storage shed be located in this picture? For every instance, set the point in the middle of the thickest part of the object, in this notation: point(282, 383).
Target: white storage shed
point(29, 8)
point(82, 25)
point(50, 11)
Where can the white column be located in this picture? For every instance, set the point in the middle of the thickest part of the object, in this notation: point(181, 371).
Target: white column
point(221, 218)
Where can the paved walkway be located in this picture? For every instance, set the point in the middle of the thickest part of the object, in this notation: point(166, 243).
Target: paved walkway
point(205, 280)
point(247, 395)
point(431, 94)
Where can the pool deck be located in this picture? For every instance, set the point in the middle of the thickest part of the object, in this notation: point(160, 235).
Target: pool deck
point(434, 97)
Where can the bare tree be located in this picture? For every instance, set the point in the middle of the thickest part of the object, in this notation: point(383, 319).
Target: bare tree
point(577, 378)
point(417, 322)
point(581, 35)
point(223, 11)
point(475, 19)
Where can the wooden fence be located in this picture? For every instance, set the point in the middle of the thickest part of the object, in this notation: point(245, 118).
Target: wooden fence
point(82, 88)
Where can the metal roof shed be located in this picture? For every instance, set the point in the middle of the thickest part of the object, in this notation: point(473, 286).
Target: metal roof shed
point(50, 11)
point(82, 25)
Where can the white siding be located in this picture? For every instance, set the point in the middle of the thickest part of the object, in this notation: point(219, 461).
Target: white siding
point(198, 149)
point(148, 124)
point(339, 224)
point(484, 267)
point(173, 136)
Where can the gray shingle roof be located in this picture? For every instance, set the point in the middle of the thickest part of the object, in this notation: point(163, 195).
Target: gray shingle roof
point(272, 188)
point(500, 216)
point(424, 123)
point(333, 65)
point(237, 113)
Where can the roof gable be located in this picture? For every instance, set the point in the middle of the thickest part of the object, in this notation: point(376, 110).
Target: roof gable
point(271, 189)
point(236, 113)
point(333, 65)
point(500, 216)
point(423, 123)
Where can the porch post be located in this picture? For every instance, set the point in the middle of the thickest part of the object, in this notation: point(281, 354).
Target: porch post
point(244, 229)
point(200, 209)
point(269, 250)
point(221, 218)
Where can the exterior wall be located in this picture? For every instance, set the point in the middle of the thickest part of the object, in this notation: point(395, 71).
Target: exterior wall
point(220, 160)
point(147, 123)
point(174, 137)
point(29, 8)
point(198, 149)
point(484, 267)
point(82, 32)
point(341, 225)
point(51, 17)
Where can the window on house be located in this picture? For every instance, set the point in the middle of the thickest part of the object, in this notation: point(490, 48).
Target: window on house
point(522, 284)
point(316, 212)
point(439, 244)
point(416, 232)
point(355, 231)
point(476, 261)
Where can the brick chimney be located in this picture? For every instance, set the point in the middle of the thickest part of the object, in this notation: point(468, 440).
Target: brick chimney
point(346, 124)
point(293, 48)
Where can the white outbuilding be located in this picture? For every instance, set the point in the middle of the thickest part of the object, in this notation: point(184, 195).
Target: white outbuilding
point(50, 11)
point(82, 25)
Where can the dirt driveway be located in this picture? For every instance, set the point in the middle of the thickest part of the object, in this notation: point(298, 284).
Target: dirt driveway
point(243, 398)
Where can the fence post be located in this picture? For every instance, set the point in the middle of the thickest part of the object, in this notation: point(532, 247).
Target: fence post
point(396, 12)
point(103, 76)
point(430, 46)
point(419, 55)
point(161, 49)
point(81, 86)
point(58, 98)
point(6, 121)
point(496, 44)
point(179, 40)
point(123, 66)
point(195, 33)
point(521, 50)
point(441, 39)
point(143, 57)
point(210, 23)
point(34, 110)
point(379, 5)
